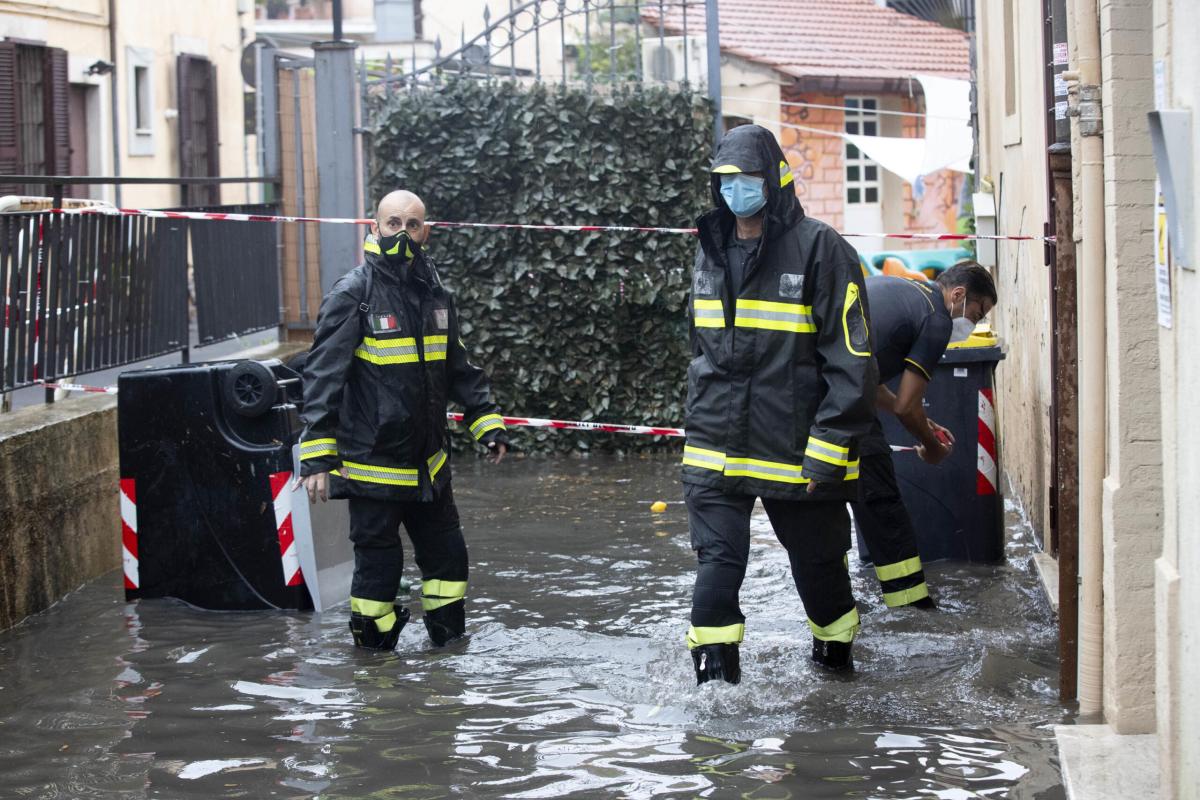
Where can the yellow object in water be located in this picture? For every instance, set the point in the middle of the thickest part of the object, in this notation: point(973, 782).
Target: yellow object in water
point(658, 507)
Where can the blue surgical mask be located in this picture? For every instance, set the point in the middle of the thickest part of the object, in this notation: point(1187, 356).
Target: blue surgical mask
point(743, 194)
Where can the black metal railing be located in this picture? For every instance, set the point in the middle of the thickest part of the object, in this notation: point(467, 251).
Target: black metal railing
point(236, 271)
point(85, 293)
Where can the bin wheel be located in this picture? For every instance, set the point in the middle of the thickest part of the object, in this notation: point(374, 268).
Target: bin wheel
point(249, 389)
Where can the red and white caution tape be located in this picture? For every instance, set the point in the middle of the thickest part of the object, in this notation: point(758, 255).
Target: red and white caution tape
point(574, 425)
point(215, 216)
point(515, 422)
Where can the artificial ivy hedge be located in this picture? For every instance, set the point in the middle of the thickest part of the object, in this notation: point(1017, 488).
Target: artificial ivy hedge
point(586, 326)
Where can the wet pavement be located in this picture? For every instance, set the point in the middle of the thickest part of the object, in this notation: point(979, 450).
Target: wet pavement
point(575, 680)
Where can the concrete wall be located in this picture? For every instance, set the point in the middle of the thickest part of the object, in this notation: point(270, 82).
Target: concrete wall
point(58, 502)
point(1178, 570)
point(1012, 166)
point(1133, 481)
point(162, 29)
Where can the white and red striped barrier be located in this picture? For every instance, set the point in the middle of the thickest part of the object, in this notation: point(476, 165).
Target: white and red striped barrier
point(129, 528)
point(288, 554)
point(216, 216)
point(985, 476)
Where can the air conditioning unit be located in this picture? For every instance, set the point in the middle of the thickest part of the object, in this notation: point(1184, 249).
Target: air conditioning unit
point(663, 60)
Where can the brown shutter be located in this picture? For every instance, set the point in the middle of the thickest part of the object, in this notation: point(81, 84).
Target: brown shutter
point(10, 119)
point(58, 112)
point(214, 129)
point(183, 73)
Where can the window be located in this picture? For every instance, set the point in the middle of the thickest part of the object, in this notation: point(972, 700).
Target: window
point(34, 114)
point(861, 173)
point(139, 99)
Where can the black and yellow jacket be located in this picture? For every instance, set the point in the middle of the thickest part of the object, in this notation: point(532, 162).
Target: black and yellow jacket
point(783, 384)
point(386, 358)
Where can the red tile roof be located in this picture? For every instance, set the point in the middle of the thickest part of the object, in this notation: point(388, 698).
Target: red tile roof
point(826, 38)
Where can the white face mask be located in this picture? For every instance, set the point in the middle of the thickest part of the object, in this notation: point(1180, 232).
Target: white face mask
point(963, 327)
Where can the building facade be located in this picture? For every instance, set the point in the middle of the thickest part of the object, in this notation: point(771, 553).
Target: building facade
point(174, 70)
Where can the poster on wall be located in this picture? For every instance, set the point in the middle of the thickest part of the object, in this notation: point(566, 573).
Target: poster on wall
point(1162, 258)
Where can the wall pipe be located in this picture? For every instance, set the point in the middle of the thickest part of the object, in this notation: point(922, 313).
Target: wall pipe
point(1092, 346)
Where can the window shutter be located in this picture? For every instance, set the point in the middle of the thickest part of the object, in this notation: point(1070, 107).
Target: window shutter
point(183, 73)
point(58, 112)
point(10, 120)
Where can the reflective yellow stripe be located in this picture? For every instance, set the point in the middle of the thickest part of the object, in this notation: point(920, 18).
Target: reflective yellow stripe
point(727, 634)
point(924, 371)
point(785, 174)
point(905, 596)
point(727, 169)
point(842, 629)
point(901, 569)
point(315, 448)
point(436, 462)
point(389, 476)
point(764, 470)
point(774, 316)
point(436, 593)
point(708, 313)
point(705, 459)
point(382, 612)
point(849, 303)
point(371, 247)
point(435, 348)
point(753, 467)
point(837, 448)
point(388, 351)
point(488, 422)
point(830, 454)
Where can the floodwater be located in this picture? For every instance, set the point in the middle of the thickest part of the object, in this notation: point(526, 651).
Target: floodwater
point(575, 680)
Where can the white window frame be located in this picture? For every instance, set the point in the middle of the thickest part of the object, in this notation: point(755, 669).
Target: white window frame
point(861, 116)
point(141, 140)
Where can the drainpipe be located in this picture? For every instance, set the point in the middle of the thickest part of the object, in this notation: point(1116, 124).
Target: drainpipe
point(1092, 340)
point(112, 95)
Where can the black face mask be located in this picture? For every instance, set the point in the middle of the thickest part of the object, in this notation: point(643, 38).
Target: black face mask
point(397, 249)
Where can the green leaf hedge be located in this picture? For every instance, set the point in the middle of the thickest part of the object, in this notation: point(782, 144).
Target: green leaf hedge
point(586, 326)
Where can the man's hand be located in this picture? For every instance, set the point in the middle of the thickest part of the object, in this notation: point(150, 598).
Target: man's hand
point(935, 455)
point(317, 485)
point(496, 451)
point(943, 435)
point(812, 486)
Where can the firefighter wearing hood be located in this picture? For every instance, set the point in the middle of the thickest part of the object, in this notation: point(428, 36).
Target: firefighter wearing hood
point(780, 390)
point(386, 357)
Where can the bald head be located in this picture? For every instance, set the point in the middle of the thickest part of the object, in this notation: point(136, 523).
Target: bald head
point(401, 210)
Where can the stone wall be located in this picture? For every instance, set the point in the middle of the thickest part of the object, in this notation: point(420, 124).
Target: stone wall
point(59, 505)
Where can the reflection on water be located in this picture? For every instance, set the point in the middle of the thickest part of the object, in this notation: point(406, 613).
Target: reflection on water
point(575, 680)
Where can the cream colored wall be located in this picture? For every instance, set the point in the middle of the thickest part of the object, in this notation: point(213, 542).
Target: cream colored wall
point(1132, 496)
point(1178, 569)
point(170, 27)
point(1013, 159)
point(757, 90)
point(165, 27)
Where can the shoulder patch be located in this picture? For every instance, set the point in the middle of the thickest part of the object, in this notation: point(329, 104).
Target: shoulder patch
point(704, 283)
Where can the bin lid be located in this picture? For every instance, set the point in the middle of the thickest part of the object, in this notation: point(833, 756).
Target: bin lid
point(982, 345)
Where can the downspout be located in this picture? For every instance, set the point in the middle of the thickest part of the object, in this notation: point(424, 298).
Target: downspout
point(112, 96)
point(1092, 342)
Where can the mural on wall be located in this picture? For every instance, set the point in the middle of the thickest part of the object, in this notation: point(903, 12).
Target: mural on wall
point(934, 203)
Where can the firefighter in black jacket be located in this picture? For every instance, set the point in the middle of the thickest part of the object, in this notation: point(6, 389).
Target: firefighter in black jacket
point(386, 356)
point(781, 387)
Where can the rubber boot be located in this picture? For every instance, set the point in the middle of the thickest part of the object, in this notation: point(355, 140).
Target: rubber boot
point(447, 623)
point(833, 656)
point(369, 637)
point(717, 662)
point(925, 604)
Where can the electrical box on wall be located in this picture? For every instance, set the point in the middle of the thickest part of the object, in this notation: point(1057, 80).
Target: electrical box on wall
point(985, 225)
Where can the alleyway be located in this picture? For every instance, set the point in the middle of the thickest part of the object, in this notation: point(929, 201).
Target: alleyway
point(575, 681)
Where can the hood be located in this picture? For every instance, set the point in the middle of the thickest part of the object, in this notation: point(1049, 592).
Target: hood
point(752, 148)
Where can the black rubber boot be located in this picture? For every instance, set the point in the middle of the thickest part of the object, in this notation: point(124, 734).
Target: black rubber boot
point(833, 656)
point(717, 662)
point(447, 623)
point(369, 637)
point(925, 604)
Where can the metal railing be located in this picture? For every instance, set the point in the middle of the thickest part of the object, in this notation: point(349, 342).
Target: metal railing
point(84, 293)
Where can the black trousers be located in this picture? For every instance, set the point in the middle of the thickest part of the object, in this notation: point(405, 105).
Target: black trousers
point(888, 532)
point(816, 535)
point(438, 545)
